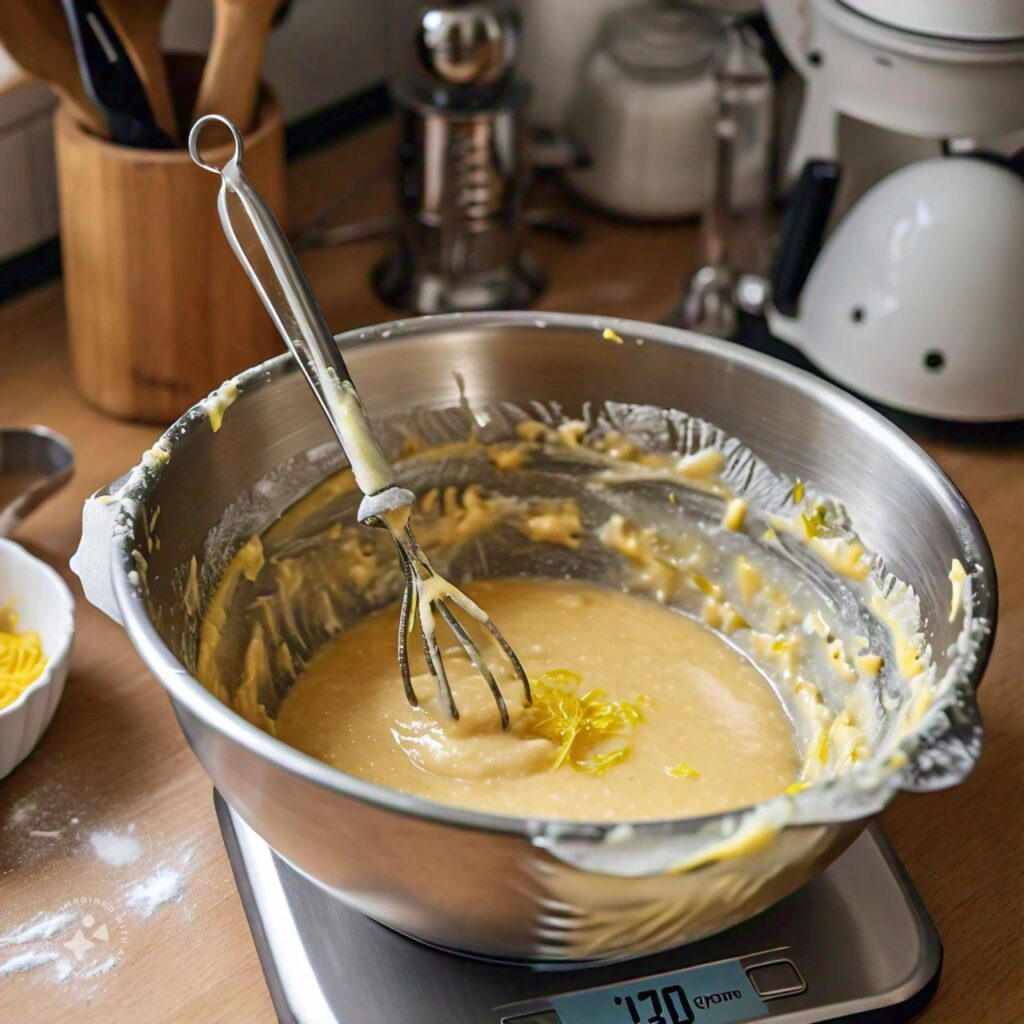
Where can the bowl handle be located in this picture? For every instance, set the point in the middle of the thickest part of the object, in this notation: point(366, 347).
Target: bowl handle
point(91, 562)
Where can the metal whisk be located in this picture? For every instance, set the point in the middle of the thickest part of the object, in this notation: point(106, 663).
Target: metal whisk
point(268, 259)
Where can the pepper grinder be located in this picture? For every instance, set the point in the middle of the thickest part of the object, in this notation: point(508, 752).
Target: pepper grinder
point(462, 172)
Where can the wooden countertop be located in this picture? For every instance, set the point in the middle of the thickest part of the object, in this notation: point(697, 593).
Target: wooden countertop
point(114, 757)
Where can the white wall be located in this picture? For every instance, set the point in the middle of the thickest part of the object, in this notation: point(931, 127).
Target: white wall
point(324, 50)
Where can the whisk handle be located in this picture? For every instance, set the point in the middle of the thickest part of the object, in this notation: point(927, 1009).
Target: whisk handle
point(264, 252)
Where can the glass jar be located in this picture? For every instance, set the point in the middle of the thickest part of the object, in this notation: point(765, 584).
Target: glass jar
point(645, 113)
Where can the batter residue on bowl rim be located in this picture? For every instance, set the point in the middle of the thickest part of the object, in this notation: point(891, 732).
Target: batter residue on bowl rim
point(774, 584)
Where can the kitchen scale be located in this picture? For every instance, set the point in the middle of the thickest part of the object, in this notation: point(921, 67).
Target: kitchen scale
point(855, 944)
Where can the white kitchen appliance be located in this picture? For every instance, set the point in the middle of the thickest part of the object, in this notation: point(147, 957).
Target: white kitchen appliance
point(932, 69)
point(913, 299)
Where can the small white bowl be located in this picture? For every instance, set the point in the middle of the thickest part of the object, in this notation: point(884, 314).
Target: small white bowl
point(44, 605)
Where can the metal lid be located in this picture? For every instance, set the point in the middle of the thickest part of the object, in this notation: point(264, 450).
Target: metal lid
point(663, 42)
point(473, 44)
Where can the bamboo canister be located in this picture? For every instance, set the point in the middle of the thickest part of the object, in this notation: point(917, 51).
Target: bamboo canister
point(159, 310)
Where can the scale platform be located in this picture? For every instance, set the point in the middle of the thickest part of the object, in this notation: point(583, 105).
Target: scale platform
point(855, 944)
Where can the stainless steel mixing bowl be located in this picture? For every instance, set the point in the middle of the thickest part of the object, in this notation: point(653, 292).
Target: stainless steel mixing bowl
point(504, 887)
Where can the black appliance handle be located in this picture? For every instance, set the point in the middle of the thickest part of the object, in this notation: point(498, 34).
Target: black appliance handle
point(803, 230)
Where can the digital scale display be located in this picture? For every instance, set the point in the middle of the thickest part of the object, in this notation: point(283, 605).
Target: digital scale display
point(728, 992)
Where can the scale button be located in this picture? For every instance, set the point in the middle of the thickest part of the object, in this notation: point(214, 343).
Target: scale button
point(776, 979)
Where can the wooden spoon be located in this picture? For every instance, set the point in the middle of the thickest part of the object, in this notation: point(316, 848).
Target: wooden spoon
point(231, 77)
point(36, 35)
point(138, 23)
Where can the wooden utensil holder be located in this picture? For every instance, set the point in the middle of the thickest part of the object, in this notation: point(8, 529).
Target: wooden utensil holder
point(159, 310)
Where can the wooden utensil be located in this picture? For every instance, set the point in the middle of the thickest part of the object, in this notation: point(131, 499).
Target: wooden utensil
point(139, 22)
point(232, 74)
point(110, 77)
point(158, 310)
point(36, 35)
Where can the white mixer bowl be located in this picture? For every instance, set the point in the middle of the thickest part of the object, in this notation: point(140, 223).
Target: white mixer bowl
point(916, 298)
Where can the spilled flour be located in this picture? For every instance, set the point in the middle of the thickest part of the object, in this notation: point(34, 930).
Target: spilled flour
point(22, 812)
point(42, 926)
point(64, 967)
point(21, 962)
point(116, 850)
point(103, 967)
point(42, 823)
point(166, 886)
point(87, 937)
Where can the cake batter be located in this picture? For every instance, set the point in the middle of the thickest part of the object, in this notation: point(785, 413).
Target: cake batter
point(638, 713)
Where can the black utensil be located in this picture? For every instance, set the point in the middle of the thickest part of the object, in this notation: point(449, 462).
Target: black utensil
point(110, 78)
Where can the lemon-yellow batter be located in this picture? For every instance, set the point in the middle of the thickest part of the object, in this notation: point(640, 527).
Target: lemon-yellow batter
point(685, 725)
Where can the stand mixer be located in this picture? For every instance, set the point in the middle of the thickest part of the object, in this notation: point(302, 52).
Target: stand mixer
point(912, 296)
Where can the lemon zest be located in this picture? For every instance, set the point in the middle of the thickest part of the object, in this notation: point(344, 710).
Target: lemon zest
point(814, 523)
point(706, 586)
point(600, 763)
point(21, 657)
point(609, 335)
point(577, 723)
point(683, 771)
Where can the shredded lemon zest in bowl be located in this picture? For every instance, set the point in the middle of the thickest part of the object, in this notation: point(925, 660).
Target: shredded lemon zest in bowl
point(683, 771)
point(706, 586)
point(577, 723)
point(21, 658)
point(814, 524)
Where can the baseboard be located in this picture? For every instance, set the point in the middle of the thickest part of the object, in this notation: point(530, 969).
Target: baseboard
point(338, 119)
point(30, 268)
